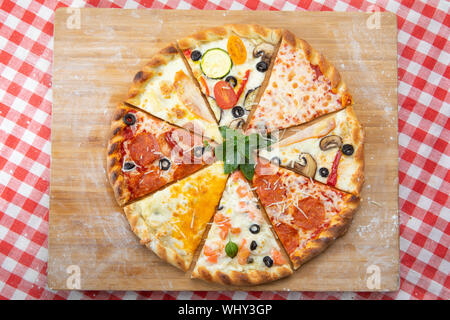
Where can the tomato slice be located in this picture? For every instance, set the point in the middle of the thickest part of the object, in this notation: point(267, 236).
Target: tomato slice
point(225, 96)
point(236, 49)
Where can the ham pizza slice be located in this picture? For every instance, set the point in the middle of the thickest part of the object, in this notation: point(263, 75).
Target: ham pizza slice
point(240, 248)
point(171, 222)
point(145, 153)
point(303, 85)
point(230, 64)
point(165, 89)
point(307, 216)
point(329, 150)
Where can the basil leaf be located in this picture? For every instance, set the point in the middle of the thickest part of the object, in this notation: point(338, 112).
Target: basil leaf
point(229, 167)
point(248, 169)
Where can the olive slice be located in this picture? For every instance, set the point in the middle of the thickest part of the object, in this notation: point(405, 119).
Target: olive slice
point(276, 161)
point(164, 164)
point(348, 149)
point(254, 228)
point(231, 80)
point(268, 261)
point(128, 166)
point(253, 245)
point(129, 119)
point(196, 55)
point(198, 151)
point(237, 111)
point(262, 66)
point(324, 172)
point(250, 260)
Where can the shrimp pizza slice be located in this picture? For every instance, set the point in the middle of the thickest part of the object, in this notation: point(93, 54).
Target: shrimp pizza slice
point(303, 85)
point(240, 248)
point(329, 150)
point(145, 153)
point(307, 216)
point(165, 89)
point(171, 222)
point(231, 64)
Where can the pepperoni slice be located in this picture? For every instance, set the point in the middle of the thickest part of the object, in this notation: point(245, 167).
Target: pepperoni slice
point(143, 184)
point(311, 215)
point(268, 189)
point(288, 236)
point(185, 169)
point(144, 149)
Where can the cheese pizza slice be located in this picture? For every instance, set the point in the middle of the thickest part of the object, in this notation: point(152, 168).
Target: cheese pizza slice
point(303, 85)
point(307, 216)
point(165, 89)
point(240, 248)
point(329, 150)
point(145, 153)
point(171, 222)
point(230, 64)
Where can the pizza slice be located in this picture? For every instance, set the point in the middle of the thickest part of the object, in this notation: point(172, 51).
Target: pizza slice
point(145, 153)
point(230, 64)
point(165, 89)
point(240, 248)
point(329, 150)
point(307, 216)
point(171, 222)
point(303, 85)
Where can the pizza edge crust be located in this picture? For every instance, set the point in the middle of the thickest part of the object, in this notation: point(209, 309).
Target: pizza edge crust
point(137, 224)
point(339, 226)
point(239, 278)
point(170, 255)
point(141, 78)
point(358, 134)
point(113, 157)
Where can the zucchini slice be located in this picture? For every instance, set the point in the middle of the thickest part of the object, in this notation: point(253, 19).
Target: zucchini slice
point(216, 63)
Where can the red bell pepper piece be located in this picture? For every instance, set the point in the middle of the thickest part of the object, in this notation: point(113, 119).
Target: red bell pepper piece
point(332, 178)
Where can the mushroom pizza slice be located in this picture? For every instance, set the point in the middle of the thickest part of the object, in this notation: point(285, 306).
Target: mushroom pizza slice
point(145, 153)
point(307, 216)
point(240, 248)
point(231, 64)
point(329, 150)
point(171, 222)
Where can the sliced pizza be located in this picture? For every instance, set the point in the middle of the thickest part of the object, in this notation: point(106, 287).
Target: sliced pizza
point(171, 222)
point(145, 153)
point(165, 89)
point(303, 85)
point(230, 64)
point(329, 150)
point(240, 248)
point(307, 216)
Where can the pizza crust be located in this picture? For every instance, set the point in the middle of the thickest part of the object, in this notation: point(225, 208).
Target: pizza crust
point(358, 134)
point(339, 225)
point(137, 224)
point(169, 255)
point(236, 278)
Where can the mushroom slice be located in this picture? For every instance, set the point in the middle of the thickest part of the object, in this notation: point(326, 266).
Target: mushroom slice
point(250, 98)
point(306, 165)
point(330, 142)
point(264, 50)
point(237, 123)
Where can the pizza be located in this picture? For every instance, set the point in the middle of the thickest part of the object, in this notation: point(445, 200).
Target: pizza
point(176, 217)
point(329, 150)
point(237, 154)
point(145, 153)
point(165, 89)
point(240, 247)
point(303, 85)
point(230, 64)
point(306, 215)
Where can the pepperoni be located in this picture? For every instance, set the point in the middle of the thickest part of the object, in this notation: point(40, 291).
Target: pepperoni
point(143, 184)
point(264, 168)
point(312, 216)
point(183, 170)
point(288, 236)
point(144, 149)
point(268, 189)
point(277, 257)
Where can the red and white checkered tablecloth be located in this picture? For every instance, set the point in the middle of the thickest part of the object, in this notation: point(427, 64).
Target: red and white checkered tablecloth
point(26, 42)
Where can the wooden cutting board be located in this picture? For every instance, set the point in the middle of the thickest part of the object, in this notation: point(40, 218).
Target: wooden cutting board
point(96, 54)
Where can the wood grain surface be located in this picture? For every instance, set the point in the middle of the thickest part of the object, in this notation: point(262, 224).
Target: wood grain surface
point(93, 67)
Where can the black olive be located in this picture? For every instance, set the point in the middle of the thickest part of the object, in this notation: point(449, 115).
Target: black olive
point(164, 164)
point(198, 151)
point(258, 206)
point(196, 55)
point(237, 111)
point(231, 80)
point(324, 172)
point(262, 66)
point(253, 245)
point(254, 228)
point(268, 261)
point(276, 161)
point(127, 166)
point(249, 260)
point(220, 208)
point(347, 149)
point(129, 119)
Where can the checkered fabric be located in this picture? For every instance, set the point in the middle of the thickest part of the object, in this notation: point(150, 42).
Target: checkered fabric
point(26, 42)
